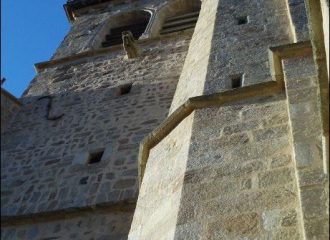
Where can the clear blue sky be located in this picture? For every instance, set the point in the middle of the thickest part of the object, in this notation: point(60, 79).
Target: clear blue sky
point(31, 30)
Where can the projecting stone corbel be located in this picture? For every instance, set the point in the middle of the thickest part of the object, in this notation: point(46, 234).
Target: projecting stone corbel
point(130, 45)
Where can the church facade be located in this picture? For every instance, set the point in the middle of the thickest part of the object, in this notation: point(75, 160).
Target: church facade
point(177, 119)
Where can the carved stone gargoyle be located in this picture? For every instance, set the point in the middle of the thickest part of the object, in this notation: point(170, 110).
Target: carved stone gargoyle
point(129, 45)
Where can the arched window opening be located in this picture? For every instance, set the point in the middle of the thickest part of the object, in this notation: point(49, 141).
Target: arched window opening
point(181, 15)
point(136, 22)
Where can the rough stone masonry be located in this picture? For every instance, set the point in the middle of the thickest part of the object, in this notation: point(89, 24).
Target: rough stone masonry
point(219, 155)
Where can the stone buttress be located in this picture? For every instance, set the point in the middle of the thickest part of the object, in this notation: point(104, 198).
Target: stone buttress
point(243, 159)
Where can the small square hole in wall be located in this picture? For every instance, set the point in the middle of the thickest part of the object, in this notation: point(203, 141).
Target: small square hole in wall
point(83, 181)
point(237, 81)
point(125, 89)
point(242, 20)
point(95, 157)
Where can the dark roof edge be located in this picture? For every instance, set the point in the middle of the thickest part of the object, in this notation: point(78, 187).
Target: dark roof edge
point(77, 4)
point(71, 6)
point(68, 12)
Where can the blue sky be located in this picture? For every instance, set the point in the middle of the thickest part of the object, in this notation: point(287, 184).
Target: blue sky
point(31, 30)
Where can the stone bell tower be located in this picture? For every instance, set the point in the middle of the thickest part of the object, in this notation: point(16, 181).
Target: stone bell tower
point(177, 119)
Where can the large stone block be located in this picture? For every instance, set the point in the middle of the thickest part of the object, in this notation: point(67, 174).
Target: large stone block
point(313, 202)
point(308, 152)
point(236, 226)
point(278, 218)
point(276, 177)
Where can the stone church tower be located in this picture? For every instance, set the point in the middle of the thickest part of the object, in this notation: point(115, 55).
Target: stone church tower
point(176, 119)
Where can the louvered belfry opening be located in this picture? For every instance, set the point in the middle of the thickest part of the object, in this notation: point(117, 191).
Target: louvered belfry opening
point(114, 36)
point(180, 15)
point(180, 22)
point(137, 25)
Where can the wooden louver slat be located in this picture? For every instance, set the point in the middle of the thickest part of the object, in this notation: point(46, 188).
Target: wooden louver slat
point(180, 23)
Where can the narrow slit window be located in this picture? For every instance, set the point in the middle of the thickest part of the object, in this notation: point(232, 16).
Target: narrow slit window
point(242, 20)
point(125, 89)
point(237, 81)
point(95, 157)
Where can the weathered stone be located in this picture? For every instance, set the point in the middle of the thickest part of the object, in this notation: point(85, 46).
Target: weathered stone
point(246, 184)
point(277, 218)
point(189, 231)
point(287, 234)
point(313, 203)
point(275, 177)
point(240, 225)
point(280, 161)
point(316, 229)
point(307, 152)
point(289, 218)
point(311, 177)
point(259, 113)
point(270, 133)
point(121, 184)
point(241, 127)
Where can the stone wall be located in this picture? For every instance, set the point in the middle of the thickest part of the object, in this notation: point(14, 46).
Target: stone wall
point(97, 226)
point(238, 180)
point(305, 120)
point(43, 176)
point(241, 179)
point(41, 165)
point(9, 107)
point(242, 49)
